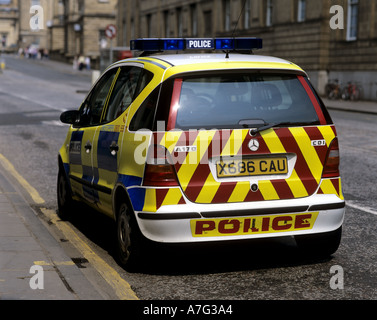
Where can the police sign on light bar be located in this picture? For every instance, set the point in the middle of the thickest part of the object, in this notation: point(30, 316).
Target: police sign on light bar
point(163, 44)
point(200, 44)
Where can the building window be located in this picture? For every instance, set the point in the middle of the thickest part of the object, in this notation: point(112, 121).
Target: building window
point(132, 28)
point(207, 15)
point(149, 25)
point(301, 11)
point(246, 22)
point(226, 15)
point(353, 11)
point(194, 20)
point(179, 22)
point(81, 7)
point(167, 24)
point(125, 39)
point(269, 13)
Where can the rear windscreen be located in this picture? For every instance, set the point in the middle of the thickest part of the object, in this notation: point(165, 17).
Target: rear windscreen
point(244, 100)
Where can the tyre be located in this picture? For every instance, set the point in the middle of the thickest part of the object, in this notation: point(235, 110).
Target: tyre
point(128, 239)
point(320, 245)
point(64, 196)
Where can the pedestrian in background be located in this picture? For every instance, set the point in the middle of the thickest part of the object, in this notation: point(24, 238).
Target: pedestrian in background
point(81, 62)
point(87, 63)
point(75, 63)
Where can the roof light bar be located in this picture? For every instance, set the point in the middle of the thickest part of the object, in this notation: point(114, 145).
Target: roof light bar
point(166, 44)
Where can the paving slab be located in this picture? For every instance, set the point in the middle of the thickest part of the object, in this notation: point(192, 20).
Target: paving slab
point(33, 266)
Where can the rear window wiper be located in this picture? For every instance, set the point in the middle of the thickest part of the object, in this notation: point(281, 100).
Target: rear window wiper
point(279, 124)
point(266, 127)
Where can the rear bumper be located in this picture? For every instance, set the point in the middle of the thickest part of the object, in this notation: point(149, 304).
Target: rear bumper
point(202, 222)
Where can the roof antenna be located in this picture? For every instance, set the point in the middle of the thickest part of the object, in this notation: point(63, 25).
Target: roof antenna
point(235, 27)
point(239, 17)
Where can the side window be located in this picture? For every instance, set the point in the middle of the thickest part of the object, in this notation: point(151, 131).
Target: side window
point(143, 118)
point(92, 108)
point(131, 81)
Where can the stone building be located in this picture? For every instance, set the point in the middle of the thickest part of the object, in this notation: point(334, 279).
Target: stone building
point(328, 38)
point(16, 18)
point(57, 29)
point(9, 24)
point(38, 35)
point(78, 27)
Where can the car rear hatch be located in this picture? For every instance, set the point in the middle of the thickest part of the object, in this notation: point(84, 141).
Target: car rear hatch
point(246, 136)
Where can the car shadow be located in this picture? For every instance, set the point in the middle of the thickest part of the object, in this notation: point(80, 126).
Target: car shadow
point(198, 258)
point(219, 257)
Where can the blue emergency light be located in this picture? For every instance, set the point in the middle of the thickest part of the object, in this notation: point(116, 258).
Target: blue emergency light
point(166, 44)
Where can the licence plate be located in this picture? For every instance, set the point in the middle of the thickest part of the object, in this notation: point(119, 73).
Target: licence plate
point(252, 225)
point(251, 167)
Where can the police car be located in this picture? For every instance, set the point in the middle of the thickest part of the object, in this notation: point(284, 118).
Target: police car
point(192, 147)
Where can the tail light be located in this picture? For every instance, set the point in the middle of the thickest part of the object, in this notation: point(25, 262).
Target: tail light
point(331, 168)
point(159, 170)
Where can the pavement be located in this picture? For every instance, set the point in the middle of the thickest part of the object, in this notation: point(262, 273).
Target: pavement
point(36, 260)
point(367, 107)
point(33, 263)
point(34, 266)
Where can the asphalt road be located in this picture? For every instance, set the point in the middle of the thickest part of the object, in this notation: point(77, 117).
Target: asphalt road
point(32, 96)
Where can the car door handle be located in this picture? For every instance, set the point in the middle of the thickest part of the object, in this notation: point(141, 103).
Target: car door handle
point(88, 147)
point(114, 148)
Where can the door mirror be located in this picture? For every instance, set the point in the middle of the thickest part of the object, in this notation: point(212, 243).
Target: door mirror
point(70, 117)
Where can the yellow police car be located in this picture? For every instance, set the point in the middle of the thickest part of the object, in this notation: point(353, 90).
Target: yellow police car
point(192, 147)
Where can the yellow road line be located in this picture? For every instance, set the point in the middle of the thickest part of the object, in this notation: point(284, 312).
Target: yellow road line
point(56, 263)
point(10, 168)
point(122, 288)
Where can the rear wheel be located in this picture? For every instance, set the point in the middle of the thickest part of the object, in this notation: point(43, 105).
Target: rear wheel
point(128, 238)
point(320, 245)
point(64, 195)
